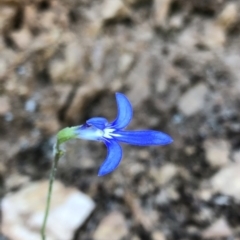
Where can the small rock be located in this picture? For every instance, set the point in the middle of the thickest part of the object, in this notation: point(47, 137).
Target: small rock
point(176, 21)
point(44, 40)
point(23, 212)
point(143, 154)
point(4, 105)
point(30, 105)
point(229, 16)
point(134, 169)
point(213, 35)
point(48, 20)
point(125, 62)
point(166, 195)
point(219, 229)
point(161, 10)
point(157, 235)
point(22, 38)
point(205, 194)
point(193, 100)
point(57, 70)
point(222, 200)
point(208, 34)
point(114, 10)
point(119, 192)
point(226, 181)
point(164, 175)
point(111, 227)
point(190, 150)
point(6, 13)
point(217, 152)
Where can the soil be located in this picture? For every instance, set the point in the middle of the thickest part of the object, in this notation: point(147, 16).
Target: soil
point(178, 61)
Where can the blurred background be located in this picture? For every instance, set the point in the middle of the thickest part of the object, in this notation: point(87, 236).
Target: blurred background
point(178, 61)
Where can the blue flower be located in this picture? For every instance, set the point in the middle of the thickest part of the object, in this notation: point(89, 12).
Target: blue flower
point(99, 129)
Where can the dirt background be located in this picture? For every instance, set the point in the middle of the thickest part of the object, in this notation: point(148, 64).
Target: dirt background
point(178, 61)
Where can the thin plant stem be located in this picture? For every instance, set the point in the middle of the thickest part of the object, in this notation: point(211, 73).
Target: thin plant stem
point(57, 155)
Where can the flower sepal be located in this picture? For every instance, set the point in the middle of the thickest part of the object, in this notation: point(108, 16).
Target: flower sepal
point(66, 134)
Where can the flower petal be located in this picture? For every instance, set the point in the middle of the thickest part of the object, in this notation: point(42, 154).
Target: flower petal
point(113, 159)
point(124, 112)
point(98, 122)
point(143, 137)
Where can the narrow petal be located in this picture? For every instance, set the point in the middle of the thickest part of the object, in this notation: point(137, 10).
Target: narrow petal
point(124, 112)
point(98, 122)
point(113, 159)
point(143, 137)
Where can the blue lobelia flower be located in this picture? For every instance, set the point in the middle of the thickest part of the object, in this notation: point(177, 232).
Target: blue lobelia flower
point(99, 129)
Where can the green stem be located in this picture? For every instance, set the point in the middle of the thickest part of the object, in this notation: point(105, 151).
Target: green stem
point(58, 153)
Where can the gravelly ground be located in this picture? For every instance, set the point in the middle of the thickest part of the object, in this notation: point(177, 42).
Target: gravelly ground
point(178, 62)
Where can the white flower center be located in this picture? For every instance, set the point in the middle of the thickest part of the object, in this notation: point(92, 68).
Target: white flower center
point(108, 133)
